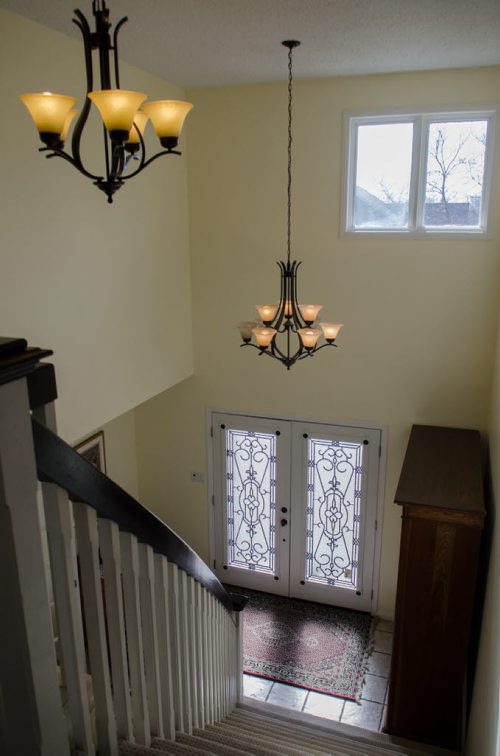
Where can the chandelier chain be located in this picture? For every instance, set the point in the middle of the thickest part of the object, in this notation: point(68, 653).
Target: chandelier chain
point(289, 193)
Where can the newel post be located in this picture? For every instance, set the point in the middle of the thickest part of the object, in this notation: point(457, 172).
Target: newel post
point(31, 717)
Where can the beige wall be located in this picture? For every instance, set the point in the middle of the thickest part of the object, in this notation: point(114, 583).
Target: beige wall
point(420, 316)
point(106, 287)
point(484, 725)
point(120, 451)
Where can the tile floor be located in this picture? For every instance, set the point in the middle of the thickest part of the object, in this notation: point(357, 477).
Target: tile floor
point(369, 713)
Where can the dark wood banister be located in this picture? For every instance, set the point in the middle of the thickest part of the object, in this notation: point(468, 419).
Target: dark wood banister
point(59, 463)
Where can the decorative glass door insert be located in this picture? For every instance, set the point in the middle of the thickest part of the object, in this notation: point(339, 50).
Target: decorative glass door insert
point(295, 508)
point(251, 499)
point(251, 488)
point(333, 511)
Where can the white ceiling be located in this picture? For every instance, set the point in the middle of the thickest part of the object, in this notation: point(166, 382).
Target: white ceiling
point(199, 43)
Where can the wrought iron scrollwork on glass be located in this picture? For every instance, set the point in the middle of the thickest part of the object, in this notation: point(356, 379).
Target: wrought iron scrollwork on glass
point(251, 499)
point(333, 512)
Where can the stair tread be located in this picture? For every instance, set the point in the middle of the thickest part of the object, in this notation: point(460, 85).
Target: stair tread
point(301, 730)
point(168, 747)
point(202, 739)
point(258, 740)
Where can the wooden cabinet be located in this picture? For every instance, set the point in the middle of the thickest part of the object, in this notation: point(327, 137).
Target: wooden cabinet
point(441, 493)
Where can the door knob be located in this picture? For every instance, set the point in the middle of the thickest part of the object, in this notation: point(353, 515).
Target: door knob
point(284, 510)
point(284, 522)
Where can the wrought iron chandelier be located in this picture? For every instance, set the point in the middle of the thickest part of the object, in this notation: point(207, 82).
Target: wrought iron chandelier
point(124, 113)
point(288, 318)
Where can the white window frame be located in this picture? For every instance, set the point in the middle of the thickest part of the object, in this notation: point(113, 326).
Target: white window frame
point(421, 120)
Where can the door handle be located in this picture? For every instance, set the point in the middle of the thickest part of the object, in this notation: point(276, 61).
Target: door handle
point(283, 521)
point(284, 510)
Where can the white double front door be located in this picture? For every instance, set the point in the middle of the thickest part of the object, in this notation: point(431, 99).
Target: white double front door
point(296, 508)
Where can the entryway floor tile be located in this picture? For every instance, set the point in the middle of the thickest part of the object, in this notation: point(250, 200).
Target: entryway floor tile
point(287, 695)
point(382, 641)
point(374, 689)
point(379, 664)
point(256, 687)
point(366, 714)
point(322, 705)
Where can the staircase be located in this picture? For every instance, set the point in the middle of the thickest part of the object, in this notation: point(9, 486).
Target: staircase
point(119, 639)
point(249, 732)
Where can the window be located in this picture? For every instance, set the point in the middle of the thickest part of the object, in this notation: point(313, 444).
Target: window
point(419, 174)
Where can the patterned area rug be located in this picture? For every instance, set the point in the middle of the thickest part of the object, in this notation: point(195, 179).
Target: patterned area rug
point(312, 646)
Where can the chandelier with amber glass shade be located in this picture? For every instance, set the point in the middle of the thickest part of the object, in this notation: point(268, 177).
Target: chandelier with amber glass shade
point(287, 330)
point(124, 113)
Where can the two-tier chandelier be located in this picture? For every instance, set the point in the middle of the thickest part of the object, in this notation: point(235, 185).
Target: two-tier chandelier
point(124, 113)
point(288, 318)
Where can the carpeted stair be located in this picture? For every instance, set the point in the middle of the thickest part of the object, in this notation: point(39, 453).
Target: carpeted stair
point(249, 732)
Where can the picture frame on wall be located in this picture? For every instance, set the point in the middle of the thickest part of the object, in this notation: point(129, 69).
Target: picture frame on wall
point(92, 449)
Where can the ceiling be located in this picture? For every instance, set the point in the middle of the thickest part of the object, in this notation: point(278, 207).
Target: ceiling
point(201, 43)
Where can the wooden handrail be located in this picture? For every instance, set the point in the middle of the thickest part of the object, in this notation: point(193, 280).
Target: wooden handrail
point(59, 463)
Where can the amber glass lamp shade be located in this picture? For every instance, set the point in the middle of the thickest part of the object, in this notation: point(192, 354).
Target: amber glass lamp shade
point(331, 330)
point(246, 329)
point(309, 337)
point(133, 142)
point(118, 108)
point(49, 112)
point(139, 125)
point(267, 313)
point(264, 336)
point(309, 312)
point(167, 117)
point(67, 123)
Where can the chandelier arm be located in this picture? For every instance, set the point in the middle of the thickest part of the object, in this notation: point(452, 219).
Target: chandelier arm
point(278, 318)
point(115, 49)
point(142, 158)
point(117, 162)
point(296, 315)
point(79, 167)
point(326, 344)
point(148, 162)
point(84, 27)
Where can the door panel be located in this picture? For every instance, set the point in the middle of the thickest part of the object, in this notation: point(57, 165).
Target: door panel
point(252, 486)
point(295, 508)
point(334, 485)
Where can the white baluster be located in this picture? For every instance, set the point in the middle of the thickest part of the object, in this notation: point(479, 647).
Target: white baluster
point(185, 657)
point(239, 657)
point(193, 657)
point(88, 551)
point(130, 569)
point(205, 636)
point(175, 635)
point(165, 644)
point(210, 659)
point(150, 638)
point(109, 536)
point(217, 665)
point(200, 667)
point(64, 572)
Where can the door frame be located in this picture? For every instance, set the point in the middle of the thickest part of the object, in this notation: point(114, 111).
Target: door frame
point(384, 433)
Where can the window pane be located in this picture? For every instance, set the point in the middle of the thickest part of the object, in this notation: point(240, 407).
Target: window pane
point(383, 172)
point(251, 499)
point(455, 173)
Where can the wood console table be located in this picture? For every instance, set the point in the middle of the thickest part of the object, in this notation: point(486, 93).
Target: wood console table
point(441, 492)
